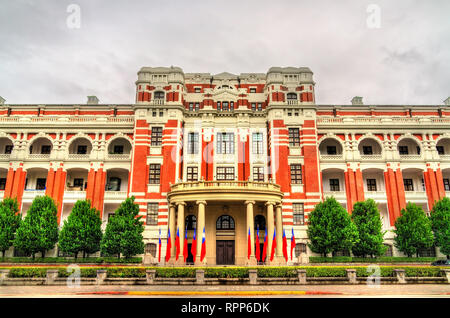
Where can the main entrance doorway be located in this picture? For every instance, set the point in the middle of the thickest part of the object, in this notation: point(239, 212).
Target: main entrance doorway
point(225, 252)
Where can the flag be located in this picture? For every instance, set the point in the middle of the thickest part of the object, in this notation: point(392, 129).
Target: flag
point(274, 245)
point(203, 251)
point(177, 244)
point(249, 244)
point(285, 254)
point(264, 247)
point(194, 245)
point(169, 246)
point(292, 242)
point(159, 247)
point(185, 246)
point(258, 252)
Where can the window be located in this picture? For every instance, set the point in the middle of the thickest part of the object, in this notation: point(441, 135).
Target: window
point(253, 106)
point(371, 185)
point(258, 174)
point(78, 182)
point(367, 150)
point(296, 173)
point(299, 214)
point(197, 106)
point(193, 143)
point(154, 173)
point(403, 150)
point(334, 185)
point(8, 149)
point(225, 222)
point(447, 184)
point(118, 149)
point(150, 248)
point(192, 174)
point(224, 105)
point(225, 173)
point(191, 222)
point(231, 105)
point(260, 222)
point(257, 145)
point(427, 252)
point(191, 106)
point(198, 90)
point(408, 183)
point(388, 250)
point(158, 95)
point(300, 249)
point(259, 106)
point(331, 150)
point(418, 150)
point(440, 150)
point(152, 214)
point(46, 149)
point(252, 90)
point(156, 139)
point(40, 183)
point(423, 185)
point(294, 137)
point(292, 96)
point(82, 150)
point(225, 143)
point(2, 183)
point(218, 106)
point(113, 184)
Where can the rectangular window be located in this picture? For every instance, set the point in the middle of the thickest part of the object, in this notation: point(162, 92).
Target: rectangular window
point(367, 150)
point(152, 214)
point(218, 106)
point(156, 138)
point(78, 182)
point(8, 149)
point(225, 173)
point(154, 173)
point(46, 150)
point(334, 185)
point(231, 105)
point(224, 105)
point(192, 143)
point(440, 150)
point(258, 174)
point(423, 185)
point(191, 106)
point(403, 150)
point(197, 106)
point(294, 137)
point(2, 183)
point(118, 149)
point(418, 150)
point(82, 150)
point(408, 184)
point(257, 145)
point(252, 90)
point(40, 183)
point(192, 174)
point(299, 214)
point(296, 174)
point(260, 106)
point(447, 184)
point(331, 150)
point(253, 106)
point(225, 143)
point(198, 90)
point(371, 185)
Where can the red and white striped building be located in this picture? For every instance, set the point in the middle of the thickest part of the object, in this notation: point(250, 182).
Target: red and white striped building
point(227, 153)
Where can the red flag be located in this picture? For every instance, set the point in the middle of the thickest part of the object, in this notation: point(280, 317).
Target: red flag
point(264, 247)
point(203, 251)
point(258, 252)
point(249, 244)
point(292, 242)
point(169, 246)
point(194, 245)
point(185, 246)
point(177, 245)
point(274, 245)
point(285, 254)
point(159, 247)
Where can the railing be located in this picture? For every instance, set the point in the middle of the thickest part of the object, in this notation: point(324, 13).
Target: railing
point(381, 120)
point(157, 102)
point(417, 194)
point(115, 194)
point(4, 156)
point(335, 194)
point(72, 118)
point(31, 193)
point(444, 157)
point(410, 157)
point(124, 156)
point(372, 157)
point(331, 157)
point(292, 102)
point(38, 156)
point(244, 185)
point(76, 156)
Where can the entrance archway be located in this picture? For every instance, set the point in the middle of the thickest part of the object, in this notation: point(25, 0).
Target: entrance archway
point(225, 242)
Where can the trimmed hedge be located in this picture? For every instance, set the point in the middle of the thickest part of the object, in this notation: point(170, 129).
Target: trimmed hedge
point(348, 259)
point(68, 260)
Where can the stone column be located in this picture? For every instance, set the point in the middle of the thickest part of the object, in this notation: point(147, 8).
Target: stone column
point(279, 250)
point(250, 224)
point(270, 228)
point(180, 227)
point(172, 229)
point(200, 225)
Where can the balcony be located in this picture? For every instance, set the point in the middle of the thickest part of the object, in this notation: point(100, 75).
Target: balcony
point(331, 157)
point(30, 194)
point(338, 195)
point(115, 195)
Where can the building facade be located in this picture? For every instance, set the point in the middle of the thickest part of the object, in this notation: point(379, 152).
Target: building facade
point(231, 154)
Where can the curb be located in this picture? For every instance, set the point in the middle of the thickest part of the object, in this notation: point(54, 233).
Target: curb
point(214, 293)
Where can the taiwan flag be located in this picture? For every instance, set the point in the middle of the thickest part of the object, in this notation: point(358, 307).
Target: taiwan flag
point(185, 246)
point(249, 244)
point(169, 246)
point(194, 245)
point(159, 247)
point(274, 245)
point(203, 251)
point(177, 244)
point(264, 247)
point(292, 242)
point(258, 251)
point(285, 254)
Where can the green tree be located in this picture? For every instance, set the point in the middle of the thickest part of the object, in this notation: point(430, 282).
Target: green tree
point(366, 217)
point(39, 230)
point(124, 230)
point(81, 231)
point(413, 230)
point(330, 228)
point(10, 219)
point(440, 223)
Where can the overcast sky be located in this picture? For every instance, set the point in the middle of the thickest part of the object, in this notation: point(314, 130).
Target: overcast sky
point(404, 61)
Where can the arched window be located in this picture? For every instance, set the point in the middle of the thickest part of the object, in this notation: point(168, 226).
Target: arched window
point(260, 221)
point(388, 250)
point(150, 248)
point(191, 222)
point(225, 222)
point(291, 96)
point(159, 95)
point(299, 249)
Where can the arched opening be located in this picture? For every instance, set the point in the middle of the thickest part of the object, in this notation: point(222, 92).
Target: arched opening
point(446, 179)
point(76, 179)
point(330, 146)
point(408, 147)
point(369, 147)
point(413, 180)
point(333, 180)
point(291, 96)
point(225, 222)
point(443, 146)
point(373, 179)
point(191, 222)
point(117, 180)
point(158, 95)
point(41, 146)
point(3, 175)
point(6, 146)
point(80, 146)
point(260, 222)
point(119, 146)
point(36, 179)
point(225, 248)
